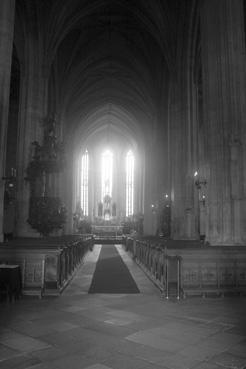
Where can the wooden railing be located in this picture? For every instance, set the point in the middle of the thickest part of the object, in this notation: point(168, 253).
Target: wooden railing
point(187, 271)
point(46, 265)
point(112, 230)
point(162, 269)
point(107, 234)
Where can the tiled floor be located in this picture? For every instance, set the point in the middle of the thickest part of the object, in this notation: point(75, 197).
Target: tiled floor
point(80, 330)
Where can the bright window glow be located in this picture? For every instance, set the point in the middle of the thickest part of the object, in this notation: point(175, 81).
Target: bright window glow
point(107, 173)
point(85, 182)
point(129, 183)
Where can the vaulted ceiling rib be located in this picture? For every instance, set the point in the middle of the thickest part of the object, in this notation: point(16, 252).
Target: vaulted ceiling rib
point(104, 51)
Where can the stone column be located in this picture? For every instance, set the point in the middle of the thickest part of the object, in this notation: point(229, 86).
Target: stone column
point(68, 189)
point(7, 12)
point(139, 182)
point(183, 212)
point(33, 109)
point(150, 196)
point(223, 59)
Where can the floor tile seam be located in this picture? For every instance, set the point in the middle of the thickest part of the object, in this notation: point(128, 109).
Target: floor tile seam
point(26, 334)
point(236, 355)
point(162, 337)
point(90, 330)
point(51, 359)
point(23, 355)
point(145, 346)
point(181, 337)
point(139, 358)
point(172, 319)
point(16, 333)
point(177, 356)
point(206, 342)
point(210, 321)
point(108, 334)
point(18, 354)
point(197, 323)
point(6, 342)
point(219, 348)
point(231, 335)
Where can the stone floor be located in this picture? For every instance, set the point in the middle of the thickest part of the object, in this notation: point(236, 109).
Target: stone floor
point(80, 330)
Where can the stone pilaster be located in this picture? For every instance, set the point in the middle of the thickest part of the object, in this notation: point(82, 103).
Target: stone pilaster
point(7, 12)
point(223, 59)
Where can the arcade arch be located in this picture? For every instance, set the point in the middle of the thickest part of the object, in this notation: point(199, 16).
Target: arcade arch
point(111, 167)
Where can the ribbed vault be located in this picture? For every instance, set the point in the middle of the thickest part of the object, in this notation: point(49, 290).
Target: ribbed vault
point(101, 52)
point(108, 60)
point(109, 124)
point(104, 68)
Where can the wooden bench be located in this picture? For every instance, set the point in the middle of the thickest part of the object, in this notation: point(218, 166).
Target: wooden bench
point(46, 265)
point(202, 270)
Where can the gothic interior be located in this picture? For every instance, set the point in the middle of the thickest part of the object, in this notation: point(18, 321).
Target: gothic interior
point(122, 184)
point(124, 109)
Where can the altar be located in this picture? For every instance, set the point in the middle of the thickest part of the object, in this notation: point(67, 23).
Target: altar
point(107, 230)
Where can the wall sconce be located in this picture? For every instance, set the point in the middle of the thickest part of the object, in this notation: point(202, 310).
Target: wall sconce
point(199, 182)
point(10, 180)
point(12, 175)
point(203, 199)
point(154, 207)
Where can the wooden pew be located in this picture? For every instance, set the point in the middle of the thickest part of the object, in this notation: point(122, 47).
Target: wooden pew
point(47, 265)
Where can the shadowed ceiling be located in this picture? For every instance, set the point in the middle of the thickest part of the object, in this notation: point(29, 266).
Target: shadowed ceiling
point(105, 53)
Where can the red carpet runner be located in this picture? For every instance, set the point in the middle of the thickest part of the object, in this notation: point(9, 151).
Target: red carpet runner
point(111, 274)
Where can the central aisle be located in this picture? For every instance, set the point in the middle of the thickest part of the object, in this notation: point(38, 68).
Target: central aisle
point(121, 331)
point(111, 274)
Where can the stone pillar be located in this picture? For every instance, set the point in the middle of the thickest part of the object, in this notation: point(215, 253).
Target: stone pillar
point(150, 196)
point(7, 12)
point(70, 176)
point(223, 60)
point(183, 212)
point(139, 182)
point(33, 109)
